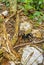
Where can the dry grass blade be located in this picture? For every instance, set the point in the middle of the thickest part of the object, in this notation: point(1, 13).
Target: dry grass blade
point(15, 37)
point(9, 47)
point(13, 5)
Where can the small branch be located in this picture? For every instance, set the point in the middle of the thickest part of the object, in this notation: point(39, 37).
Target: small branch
point(33, 42)
point(12, 15)
point(20, 45)
point(9, 17)
point(38, 42)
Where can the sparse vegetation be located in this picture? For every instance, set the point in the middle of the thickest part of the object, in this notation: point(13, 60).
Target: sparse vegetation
point(21, 24)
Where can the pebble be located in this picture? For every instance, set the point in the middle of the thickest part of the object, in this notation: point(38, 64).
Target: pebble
point(5, 13)
point(31, 56)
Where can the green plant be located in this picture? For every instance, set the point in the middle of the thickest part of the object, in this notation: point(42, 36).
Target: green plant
point(6, 2)
point(38, 17)
point(34, 6)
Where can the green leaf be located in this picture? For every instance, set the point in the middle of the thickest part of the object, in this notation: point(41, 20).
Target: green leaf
point(37, 13)
point(43, 17)
point(27, 7)
point(40, 2)
point(7, 4)
point(25, 1)
point(3, 0)
point(21, 1)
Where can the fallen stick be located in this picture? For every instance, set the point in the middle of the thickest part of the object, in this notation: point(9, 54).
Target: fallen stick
point(33, 42)
point(38, 42)
point(12, 15)
point(9, 17)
